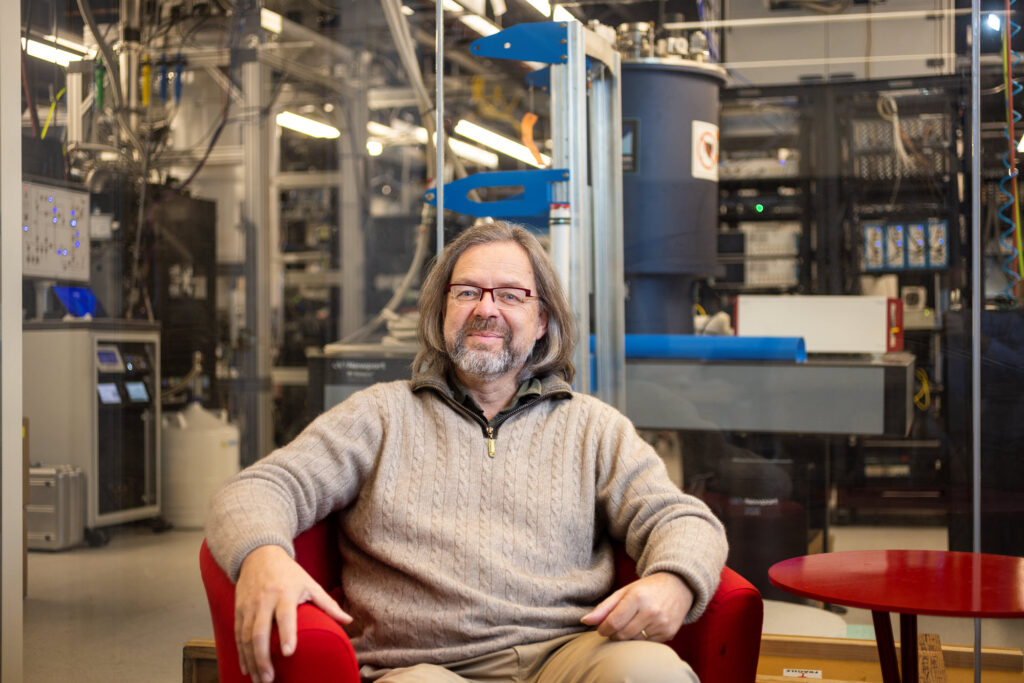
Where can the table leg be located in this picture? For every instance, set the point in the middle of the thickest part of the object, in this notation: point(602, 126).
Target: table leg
point(886, 646)
point(908, 647)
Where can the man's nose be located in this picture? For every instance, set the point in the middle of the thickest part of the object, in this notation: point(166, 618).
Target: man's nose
point(487, 307)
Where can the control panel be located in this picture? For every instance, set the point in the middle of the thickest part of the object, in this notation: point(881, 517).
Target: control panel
point(55, 232)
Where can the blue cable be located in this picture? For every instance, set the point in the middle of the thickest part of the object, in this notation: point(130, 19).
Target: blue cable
point(707, 33)
point(1006, 239)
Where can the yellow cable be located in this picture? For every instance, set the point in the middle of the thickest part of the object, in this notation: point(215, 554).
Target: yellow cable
point(49, 117)
point(700, 309)
point(923, 398)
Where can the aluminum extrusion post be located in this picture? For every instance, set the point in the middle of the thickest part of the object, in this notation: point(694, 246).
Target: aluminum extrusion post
point(255, 387)
point(569, 242)
point(608, 265)
point(352, 247)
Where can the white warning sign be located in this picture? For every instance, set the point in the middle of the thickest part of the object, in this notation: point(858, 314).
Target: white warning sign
point(705, 150)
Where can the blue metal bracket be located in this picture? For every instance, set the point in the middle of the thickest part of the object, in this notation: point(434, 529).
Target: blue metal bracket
point(541, 78)
point(534, 200)
point(544, 41)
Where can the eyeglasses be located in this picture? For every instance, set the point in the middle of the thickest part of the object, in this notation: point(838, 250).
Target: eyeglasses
point(503, 297)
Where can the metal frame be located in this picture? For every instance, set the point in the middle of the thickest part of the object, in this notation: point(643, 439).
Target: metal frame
point(11, 465)
point(586, 249)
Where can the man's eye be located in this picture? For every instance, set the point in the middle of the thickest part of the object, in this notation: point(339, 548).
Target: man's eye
point(512, 297)
point(467, 294)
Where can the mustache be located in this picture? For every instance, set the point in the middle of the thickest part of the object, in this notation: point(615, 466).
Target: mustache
point(486, 325)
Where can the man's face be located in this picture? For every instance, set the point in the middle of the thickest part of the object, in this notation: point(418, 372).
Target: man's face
point(483, 340)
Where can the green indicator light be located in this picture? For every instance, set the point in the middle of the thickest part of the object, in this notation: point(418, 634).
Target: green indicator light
point(759, 207)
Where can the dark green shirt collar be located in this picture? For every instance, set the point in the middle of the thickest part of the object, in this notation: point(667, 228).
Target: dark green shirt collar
point(529, 389)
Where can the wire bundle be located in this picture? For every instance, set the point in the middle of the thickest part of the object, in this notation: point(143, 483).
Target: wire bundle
point(1012, 265)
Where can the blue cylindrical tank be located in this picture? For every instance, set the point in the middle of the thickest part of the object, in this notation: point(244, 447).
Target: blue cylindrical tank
point(670, 214)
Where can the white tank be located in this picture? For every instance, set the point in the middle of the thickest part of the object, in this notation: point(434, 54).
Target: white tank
point(199, 453)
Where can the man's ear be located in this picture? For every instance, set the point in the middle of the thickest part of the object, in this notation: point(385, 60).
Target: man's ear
point(542, 326)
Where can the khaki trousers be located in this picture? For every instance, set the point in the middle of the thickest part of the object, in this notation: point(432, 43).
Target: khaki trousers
point(579, 658)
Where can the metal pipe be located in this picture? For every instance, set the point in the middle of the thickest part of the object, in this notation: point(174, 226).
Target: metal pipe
point(439, 121)
point(977, 301)
point(813, 19)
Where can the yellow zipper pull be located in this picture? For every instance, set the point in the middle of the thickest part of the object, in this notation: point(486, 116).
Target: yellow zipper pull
point(490, 442)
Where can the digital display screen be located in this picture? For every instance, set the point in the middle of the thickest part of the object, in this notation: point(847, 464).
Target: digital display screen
point(107, 357)
point(109, 395)
point(137, 392)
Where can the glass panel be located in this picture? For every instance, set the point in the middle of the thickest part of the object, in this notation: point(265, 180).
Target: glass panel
point(225, 230)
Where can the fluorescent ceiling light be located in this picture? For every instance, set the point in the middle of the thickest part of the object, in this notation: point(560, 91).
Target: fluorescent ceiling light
point(271, 21)
point(562, 14)
point(49, 53)
point(374, 147)
point(408, 11)
point(418, 134)
point(301, 124)
point(474, 22)
point(993, 22)
point(70, 44)
point(477, 23)
point(500, 143)
point(472, 153)
point(1020, 145)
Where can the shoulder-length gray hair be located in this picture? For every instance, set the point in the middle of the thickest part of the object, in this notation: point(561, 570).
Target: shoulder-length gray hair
point(552, 354)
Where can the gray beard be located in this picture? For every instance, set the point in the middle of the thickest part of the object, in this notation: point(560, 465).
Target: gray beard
point(487, 365)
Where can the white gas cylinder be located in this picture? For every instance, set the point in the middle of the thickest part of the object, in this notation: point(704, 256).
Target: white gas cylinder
point(199, 453)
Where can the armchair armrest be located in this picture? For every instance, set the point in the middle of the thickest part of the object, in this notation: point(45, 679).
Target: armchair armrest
point(722, 646)
point(324, 652)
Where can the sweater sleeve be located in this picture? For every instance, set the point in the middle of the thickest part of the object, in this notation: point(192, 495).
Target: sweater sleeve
point(663, 528)
point(294, 487)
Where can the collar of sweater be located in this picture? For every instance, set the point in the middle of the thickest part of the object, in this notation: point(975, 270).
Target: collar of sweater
point(427, 378)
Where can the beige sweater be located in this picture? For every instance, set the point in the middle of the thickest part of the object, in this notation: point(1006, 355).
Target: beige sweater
point(448, 553)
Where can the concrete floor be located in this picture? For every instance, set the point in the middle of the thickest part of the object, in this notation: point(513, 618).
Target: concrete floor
point(122, 612)
point(117, 613)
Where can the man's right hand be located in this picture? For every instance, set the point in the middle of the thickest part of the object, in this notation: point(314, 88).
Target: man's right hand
point(271, 586)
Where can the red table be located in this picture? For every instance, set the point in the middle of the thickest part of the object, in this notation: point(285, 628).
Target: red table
point(909, 582)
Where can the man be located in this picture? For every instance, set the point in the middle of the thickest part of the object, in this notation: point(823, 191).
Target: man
point(477, 502)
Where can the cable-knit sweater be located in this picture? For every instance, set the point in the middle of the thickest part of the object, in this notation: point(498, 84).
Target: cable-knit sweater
point(449, 553)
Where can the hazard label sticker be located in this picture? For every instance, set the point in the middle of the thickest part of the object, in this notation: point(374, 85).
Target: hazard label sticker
point(705, 150)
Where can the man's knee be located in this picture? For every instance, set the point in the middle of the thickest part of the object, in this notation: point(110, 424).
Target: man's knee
point(639, 662)
point(421, 673)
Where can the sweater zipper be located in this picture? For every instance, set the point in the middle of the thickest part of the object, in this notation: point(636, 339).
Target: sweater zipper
point(490, 442)
point(491, 431)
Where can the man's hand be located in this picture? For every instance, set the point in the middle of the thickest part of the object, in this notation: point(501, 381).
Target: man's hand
point(271, 586)
point(651, 608)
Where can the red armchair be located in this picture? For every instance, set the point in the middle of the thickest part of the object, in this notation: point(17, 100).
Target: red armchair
point(722, 646)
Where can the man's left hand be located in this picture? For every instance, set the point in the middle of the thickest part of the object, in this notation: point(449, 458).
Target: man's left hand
point(651, 608)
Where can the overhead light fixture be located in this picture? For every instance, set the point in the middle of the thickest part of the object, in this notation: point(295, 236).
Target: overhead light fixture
point(502, 144)
point(993, 22)
point(301, 124)
point(408, 11)
point(49, 53)
point(374, 148)
point(418, 134)
point(472, 21)
point(469, 152)
point(544, 7)
point(271, 21)
point(1020, 145)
